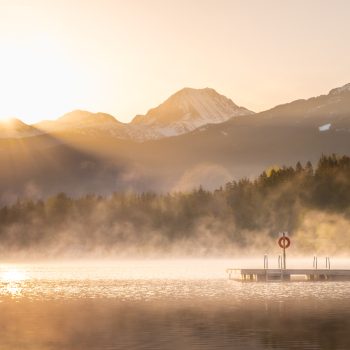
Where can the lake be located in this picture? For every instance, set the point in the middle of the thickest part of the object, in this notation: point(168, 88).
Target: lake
point(165, 304)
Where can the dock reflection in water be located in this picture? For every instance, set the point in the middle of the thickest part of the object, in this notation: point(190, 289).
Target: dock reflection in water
point(52, 308)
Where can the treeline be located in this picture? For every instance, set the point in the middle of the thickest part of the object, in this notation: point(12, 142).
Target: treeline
point(199, 221)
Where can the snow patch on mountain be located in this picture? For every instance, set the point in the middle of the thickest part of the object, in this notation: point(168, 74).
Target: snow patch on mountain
point(186, 110)
point(325, 127)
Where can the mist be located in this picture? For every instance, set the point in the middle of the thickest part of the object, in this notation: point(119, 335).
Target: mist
point(242, 218)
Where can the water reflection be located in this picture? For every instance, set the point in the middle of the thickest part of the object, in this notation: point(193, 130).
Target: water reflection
point(199, 324)
point(152, 280)
point(150, 290)
point(12, 280)
point(95, 307)
point(12, 274)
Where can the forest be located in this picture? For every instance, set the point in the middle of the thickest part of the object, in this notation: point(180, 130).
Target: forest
point(311, 203)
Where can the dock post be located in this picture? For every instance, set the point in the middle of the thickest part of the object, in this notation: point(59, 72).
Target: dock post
point(266, 262)
point(284, 243)
point(266, 265)
point(284, 252)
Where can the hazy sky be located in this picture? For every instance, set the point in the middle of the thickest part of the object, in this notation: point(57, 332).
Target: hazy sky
point(124, 57)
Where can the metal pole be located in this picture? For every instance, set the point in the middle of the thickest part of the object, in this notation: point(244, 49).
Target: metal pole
point(284, 251)
point(266, 265)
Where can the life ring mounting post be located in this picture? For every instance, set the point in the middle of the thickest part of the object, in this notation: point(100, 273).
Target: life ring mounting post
point(284, 243)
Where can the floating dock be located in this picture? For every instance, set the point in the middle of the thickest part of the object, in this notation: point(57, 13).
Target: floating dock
point(283, 274)
point(265, 275)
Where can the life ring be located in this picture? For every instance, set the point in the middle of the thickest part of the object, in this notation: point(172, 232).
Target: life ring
point(284, 242)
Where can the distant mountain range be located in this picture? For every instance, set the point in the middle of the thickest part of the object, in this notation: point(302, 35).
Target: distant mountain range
point(196, 137)
point(182, 112)
point(85, 123)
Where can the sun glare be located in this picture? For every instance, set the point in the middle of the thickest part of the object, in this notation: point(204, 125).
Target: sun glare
point(12, 275)
point(37, 80)
point(5, 119)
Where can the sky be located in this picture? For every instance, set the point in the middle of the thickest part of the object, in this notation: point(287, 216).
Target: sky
point(125, 57)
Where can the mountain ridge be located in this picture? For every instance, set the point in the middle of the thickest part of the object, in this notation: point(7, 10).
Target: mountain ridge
point(187, 110)
point(15, 128)
point(210, 155)
point(182, 112)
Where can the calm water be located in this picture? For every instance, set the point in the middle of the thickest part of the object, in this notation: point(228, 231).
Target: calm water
point(173, 304)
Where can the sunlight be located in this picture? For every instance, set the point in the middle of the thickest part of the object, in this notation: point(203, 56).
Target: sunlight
point(5, 120)
point(39, 75)
point(13, 275)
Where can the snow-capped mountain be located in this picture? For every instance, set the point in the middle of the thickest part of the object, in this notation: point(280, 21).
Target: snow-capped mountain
point(85, 123)
point(193, 109)
point(183, 112)
point(323, 113)
point(15, 128)
point(240, 147)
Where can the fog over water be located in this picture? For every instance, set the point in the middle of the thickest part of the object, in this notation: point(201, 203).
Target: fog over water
point(167, 304)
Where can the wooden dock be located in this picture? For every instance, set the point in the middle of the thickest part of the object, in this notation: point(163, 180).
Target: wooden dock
point(265, 275)
point(283, 274)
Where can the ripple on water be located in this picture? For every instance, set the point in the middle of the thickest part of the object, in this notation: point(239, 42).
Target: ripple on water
point(152, 281)
point(109, 307)
point(216, 289)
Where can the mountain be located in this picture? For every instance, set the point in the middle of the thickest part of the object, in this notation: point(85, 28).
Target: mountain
point(343, 89)
point(84, 161)
point(182, 112)
point(15, 128)
point(244, 146)
point(84, 123)
point(185, 111)
point(332, 110)
point(36, 167)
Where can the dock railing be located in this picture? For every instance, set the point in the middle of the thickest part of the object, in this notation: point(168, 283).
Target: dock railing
point(270, 274)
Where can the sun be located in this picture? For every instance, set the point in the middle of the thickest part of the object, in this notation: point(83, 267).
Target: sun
point(6, 119)
point(13, 275)
point(38, 81)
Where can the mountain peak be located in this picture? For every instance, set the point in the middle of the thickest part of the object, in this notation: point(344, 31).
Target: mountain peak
point(12, 123)
point(85, 123)
point(15, 128)
point(78, 119)
point(81, 116)
point(189, 109)
point(194, 90)
point(340, 90)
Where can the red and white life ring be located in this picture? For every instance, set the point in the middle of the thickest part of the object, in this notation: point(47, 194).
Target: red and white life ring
point(284, 242)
